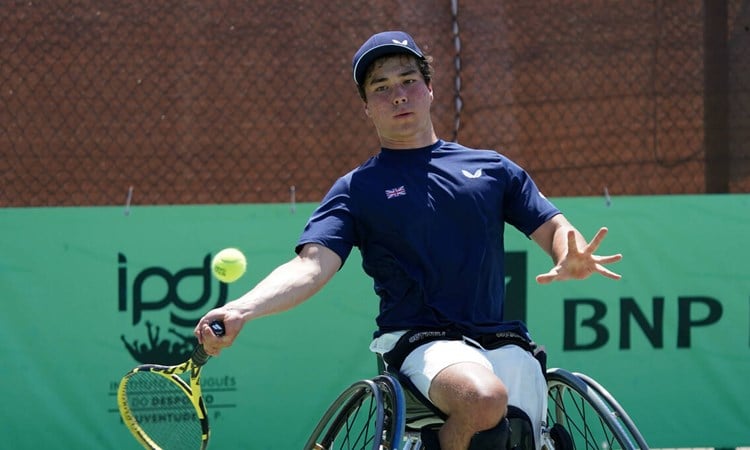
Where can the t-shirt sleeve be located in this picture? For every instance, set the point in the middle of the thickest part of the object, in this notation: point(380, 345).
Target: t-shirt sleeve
point(526, 208)
point(332, 224)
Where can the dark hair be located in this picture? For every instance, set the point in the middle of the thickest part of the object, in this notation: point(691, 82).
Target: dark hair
point(424, 64)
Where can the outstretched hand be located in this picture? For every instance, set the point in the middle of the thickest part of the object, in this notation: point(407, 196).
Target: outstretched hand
point(578, 264)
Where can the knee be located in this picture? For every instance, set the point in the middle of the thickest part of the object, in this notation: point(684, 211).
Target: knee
point(470, 395)
point(489, 405)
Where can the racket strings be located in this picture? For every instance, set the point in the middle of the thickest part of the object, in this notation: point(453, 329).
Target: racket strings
point(163, 411)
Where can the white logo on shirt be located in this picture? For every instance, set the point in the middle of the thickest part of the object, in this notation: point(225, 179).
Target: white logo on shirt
point(476, 174)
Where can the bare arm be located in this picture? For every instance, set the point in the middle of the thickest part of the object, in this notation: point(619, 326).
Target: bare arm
point(286, 287)
point(572, 256)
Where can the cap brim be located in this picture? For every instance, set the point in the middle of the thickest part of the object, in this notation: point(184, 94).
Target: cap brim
point(368, 57)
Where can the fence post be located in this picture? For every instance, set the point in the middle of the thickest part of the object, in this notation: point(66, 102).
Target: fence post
point(715, 100)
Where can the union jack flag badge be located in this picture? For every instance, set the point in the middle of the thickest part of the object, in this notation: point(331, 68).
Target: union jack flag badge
point(395, 192)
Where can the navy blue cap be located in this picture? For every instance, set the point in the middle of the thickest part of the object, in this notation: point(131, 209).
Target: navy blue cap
point(382, 44)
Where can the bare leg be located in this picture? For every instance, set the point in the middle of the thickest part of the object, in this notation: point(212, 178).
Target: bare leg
point(474, 400)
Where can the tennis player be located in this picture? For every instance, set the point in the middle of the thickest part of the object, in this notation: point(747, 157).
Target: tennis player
point(428, 217)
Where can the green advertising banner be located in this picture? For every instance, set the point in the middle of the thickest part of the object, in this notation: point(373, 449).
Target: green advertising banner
point(87, 293)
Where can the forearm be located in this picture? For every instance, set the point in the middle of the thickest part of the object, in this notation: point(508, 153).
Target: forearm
point(286, 287)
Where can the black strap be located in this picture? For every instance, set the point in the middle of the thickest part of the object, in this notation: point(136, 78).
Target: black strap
point(490, 341)
point(502, 338)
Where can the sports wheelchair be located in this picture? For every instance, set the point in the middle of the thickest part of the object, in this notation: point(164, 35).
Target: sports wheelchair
point(388, 413)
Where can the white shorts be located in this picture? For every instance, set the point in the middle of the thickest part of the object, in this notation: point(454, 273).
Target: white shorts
point(519, 371)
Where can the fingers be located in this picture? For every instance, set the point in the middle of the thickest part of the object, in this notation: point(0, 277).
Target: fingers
point(607, 273)
point(577, 264)
point(549, 277)
point(608, 259)
point(600, 260)
point(598, 238)
point(572, 242)
point(211, 343)
point(545, 278)
point(197, 332)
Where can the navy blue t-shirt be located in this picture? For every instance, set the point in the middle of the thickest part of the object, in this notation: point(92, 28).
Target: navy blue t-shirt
point(429, 224)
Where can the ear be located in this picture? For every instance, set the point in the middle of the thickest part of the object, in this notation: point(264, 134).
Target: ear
point(367, 111)
point(429, 86)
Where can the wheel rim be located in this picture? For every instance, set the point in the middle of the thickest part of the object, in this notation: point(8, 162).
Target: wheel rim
point(587, 429)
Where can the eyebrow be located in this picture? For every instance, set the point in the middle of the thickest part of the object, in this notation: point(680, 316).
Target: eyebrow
point(404, 73)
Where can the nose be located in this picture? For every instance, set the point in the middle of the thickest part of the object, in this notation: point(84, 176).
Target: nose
point(399, 97)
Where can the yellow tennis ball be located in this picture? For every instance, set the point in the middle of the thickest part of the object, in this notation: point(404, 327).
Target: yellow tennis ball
point(228, 265)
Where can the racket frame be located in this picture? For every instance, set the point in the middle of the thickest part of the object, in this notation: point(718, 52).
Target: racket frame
point(172, 374)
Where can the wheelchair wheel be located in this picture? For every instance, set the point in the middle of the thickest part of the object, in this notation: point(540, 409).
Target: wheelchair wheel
point(394, 410)
point(581, 419)
point(368, 415)
point(620, 414)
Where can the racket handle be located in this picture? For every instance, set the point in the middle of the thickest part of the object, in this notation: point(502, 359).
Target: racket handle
point(217, 327)
point(200, 357)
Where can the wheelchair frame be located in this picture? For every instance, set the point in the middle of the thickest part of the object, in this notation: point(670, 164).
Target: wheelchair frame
point(372, 414)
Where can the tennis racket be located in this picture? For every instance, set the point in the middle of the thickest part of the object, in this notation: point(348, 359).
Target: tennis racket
point(163, 410)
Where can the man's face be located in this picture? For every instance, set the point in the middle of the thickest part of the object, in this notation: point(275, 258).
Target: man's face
point(398, 99)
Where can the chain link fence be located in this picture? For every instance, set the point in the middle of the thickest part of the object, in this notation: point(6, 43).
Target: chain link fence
point(219, 101)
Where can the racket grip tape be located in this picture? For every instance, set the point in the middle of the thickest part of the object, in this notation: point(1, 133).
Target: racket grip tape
point(200, 357)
